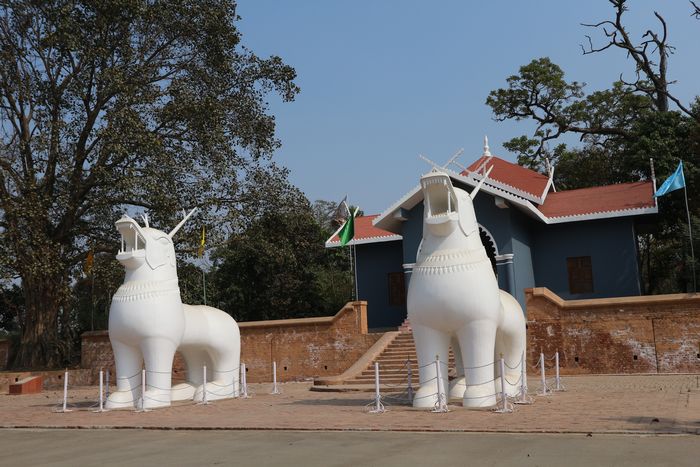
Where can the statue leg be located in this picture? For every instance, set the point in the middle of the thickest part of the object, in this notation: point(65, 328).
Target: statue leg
point(127, 361)
point(477, 341)
point(458, 384)
point(222, 376)
point(510, 342)
point(429, 344)
point(195, 359)
point(158, 354)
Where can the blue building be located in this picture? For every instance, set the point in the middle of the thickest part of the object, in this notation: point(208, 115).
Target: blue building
point(578, 243)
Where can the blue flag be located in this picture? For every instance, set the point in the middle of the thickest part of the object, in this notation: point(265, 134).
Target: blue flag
point(674, 182)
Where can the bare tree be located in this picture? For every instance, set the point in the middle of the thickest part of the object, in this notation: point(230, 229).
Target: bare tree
point(650, 56)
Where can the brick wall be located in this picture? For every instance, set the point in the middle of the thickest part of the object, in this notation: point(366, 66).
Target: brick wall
point(648, 334)
point(303, 348)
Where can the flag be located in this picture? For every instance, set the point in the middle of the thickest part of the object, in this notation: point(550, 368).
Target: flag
point(200, 251)
point(348, 231)
point(674, 182)
point(89, 261)
point(341, 212)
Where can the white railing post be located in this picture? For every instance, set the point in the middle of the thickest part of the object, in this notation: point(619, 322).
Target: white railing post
point(545, 389)
point(441, 405)
point(504, 395)
point(522, 396)
point(275, 389)
point(65, 391)
point(143, 390)
point(378, 406)
point(101, 391)
point(244, 383)
point(204, 385)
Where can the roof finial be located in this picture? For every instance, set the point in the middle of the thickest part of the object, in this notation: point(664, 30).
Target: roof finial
point(487, 153)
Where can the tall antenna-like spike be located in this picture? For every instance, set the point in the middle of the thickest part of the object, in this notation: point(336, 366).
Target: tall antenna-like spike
point(144, 216)
point(182, 222)
point(452, 159)
point(434, 164)
point(481, 182)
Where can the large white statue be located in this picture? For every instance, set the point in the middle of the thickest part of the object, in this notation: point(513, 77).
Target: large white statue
point(453, 296)
point(148, 323)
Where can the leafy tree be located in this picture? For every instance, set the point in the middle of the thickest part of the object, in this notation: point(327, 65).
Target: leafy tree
point(111, 105)
point(278, 268)
point(619, 129)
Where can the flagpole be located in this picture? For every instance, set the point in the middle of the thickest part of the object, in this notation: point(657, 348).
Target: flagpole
point(690, 234)
point(204, 285)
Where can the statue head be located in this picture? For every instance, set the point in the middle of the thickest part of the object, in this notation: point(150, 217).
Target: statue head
point(446, 208)
point(145, 245)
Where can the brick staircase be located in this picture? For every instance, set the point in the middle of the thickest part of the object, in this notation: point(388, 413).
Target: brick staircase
point(393, 361)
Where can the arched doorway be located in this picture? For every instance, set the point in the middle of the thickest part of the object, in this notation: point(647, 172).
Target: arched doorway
point(490, 245)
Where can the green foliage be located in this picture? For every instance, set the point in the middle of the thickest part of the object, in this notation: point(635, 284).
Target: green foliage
point(620, 129)
point(278, 268)
point(117, 105)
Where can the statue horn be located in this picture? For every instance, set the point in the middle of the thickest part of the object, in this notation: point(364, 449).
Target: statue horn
point(182, 222)
point(481, 182)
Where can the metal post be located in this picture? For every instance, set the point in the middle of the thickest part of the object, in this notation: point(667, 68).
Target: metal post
point(504, 395)
point(143, 390)
point(690, 234)
point(204, 285)
point(275, 389)
point(377, 396)
point(101, 392)
point(65, 391)
point(556, 378)
point(244, 384)
point(441, 402)
point(523, 398)
point(409, 381)
point(204, 385)
point(378, 406)
point(545, 390)
point(503, 383)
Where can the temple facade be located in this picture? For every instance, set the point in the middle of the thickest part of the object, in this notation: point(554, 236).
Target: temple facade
point(578, 243)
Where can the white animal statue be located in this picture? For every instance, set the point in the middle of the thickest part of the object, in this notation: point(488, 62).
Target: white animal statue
point(148, 323)
point(453, 296)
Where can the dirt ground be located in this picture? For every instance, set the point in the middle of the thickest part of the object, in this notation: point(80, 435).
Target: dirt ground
point(634, 404)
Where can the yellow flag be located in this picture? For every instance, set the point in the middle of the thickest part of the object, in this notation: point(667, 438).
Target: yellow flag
point(200, 252)
point(89, 261)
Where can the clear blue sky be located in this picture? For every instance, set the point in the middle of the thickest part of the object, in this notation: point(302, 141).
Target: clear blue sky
point(384, 81)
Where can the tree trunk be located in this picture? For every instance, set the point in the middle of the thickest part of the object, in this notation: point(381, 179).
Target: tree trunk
point(44, 343)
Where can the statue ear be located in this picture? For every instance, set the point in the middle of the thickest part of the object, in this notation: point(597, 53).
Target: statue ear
point(157, 252)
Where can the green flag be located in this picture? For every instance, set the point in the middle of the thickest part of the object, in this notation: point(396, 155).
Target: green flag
point(348, 231)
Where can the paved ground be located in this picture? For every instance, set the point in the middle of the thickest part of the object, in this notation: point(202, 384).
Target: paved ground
point(657, 404)
point(273, 448)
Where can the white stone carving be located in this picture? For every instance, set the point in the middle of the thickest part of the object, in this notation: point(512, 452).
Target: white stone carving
point(148, 323)
point(453, 296)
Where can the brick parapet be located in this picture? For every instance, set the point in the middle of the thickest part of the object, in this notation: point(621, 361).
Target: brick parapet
point(647, 334)
point(303, 348)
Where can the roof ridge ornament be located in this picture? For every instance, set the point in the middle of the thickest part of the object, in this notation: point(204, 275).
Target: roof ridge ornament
point(487, 152)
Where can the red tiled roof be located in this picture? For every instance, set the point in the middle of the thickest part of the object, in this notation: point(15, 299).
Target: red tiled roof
point(598, 199)
point(365, 230)
point(513, 175)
